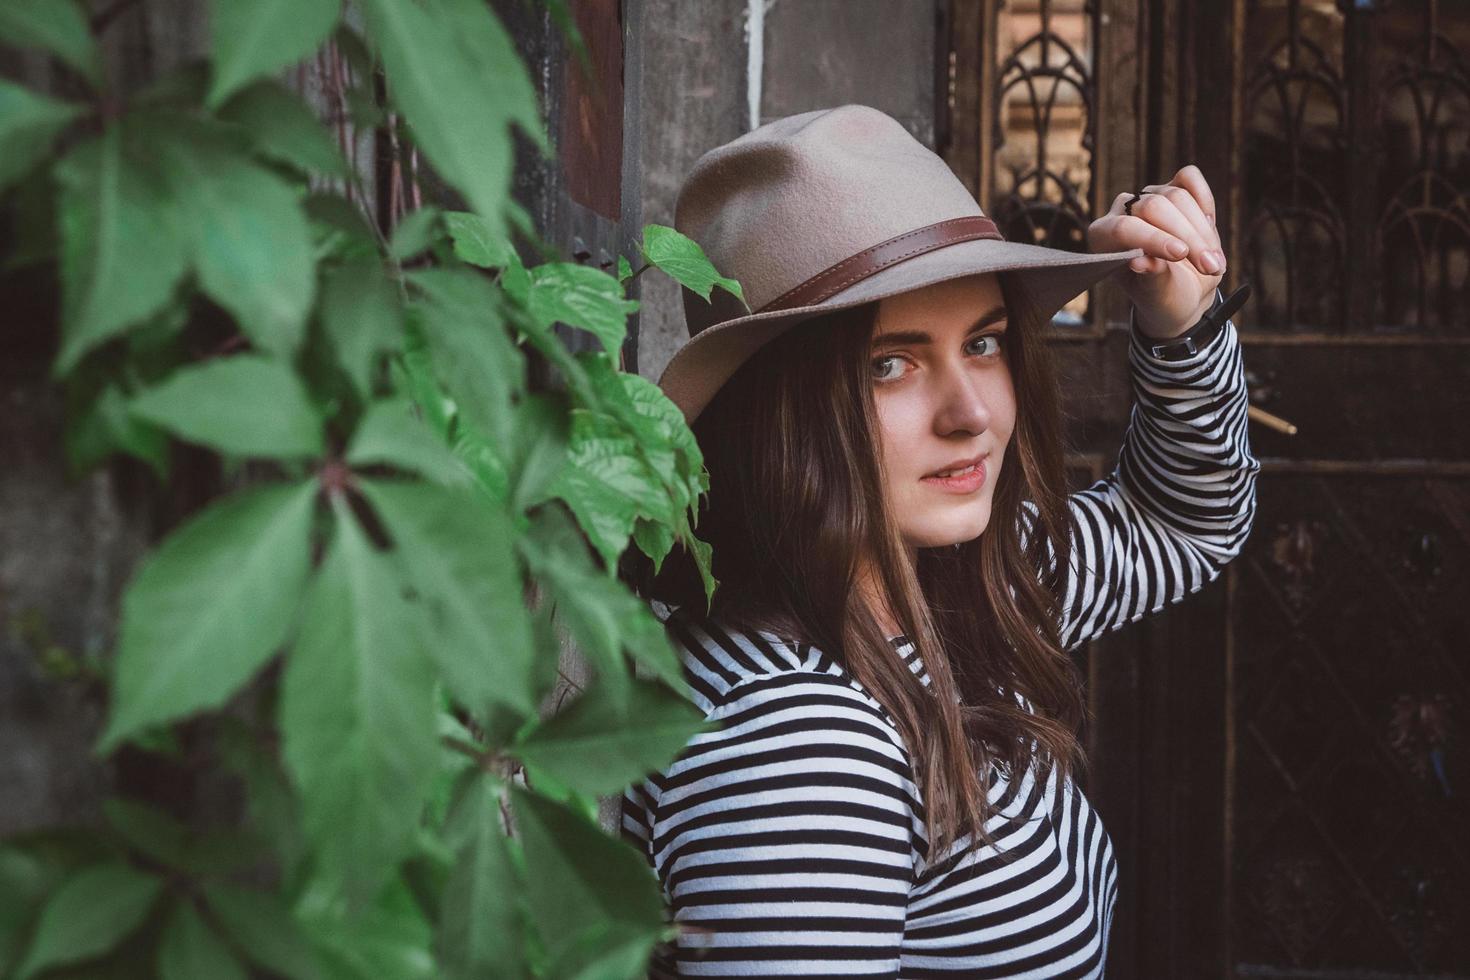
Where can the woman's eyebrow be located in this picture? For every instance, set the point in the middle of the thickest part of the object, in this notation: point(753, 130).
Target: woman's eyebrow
point(920, 338)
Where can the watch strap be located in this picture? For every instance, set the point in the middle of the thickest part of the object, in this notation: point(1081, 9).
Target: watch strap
point(1197, 337)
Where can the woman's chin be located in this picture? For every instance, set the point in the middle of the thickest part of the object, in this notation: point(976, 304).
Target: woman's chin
point(946, 530)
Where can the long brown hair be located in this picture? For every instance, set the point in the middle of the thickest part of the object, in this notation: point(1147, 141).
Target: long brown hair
point(791, 443)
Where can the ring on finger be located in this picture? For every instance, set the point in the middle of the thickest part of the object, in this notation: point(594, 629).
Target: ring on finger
point(1128, 204)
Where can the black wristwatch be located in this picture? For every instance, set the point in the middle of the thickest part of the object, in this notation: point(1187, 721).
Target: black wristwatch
point(1197, 337)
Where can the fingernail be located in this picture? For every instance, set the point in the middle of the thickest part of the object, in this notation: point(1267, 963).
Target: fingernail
point(1211, 264)
point(1212, 219)
point(1178, 248)
point(1223, 260)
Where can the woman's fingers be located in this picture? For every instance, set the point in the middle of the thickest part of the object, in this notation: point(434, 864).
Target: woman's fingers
point(1189, 207)
point(1192, 179)
point(1145, 265)
point(1161, 234)
point(1157, 227)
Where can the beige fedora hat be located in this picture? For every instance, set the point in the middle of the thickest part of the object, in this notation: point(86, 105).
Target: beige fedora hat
point(827, 210)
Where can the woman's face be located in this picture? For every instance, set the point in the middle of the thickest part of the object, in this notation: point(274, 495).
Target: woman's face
point(942, 387)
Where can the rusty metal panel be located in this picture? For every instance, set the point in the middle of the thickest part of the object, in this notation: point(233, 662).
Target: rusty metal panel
point(592, 110)
point(1349, 688)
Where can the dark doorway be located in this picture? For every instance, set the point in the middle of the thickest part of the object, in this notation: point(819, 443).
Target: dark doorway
point(1283, 760)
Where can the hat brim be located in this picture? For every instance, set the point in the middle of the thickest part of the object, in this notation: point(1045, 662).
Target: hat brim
point(1052, 276)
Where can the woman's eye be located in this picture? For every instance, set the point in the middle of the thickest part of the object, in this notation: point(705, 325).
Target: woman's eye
point(987, 345)
point(887, 369)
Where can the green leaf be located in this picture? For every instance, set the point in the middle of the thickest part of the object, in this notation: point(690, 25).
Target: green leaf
point(458, 553)
point(245, 405)
point(602, 744)
point(32, 867)
point(107, 426)
point(659, 426)
point(475, 242)
point(387, 940)
point(684, 261)
point(362, 313)
point(29, 124)
point(602, 954)
point(363, 758)
point(249, 240)
point(481, 923)
point(476, 452)
point(283, 128)
point(455, 74)
point(57, 26)
point(273, 809)
point(604, 617)
point(473, 355)
point(524, 226)
point(263, 928)
point(90, 914)
point(257, 37)
point(391, 434)
point(581, 296)
point(636, 461)
point(540, 449)
point(122, 251)
point(581, 883)
point(24, 881)
point(655, 539)
point(515, 279)
point(544, 339)
point(190, 950)
point(416, 233)
point(149, 830)
point(413, 375)
point(210, 607)
point(339, 229)
point(608, 485)
point(703, 556)
point(454, 763)
point(625, 270)
point(164, 839)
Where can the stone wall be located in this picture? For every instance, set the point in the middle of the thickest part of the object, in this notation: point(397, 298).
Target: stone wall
point(714, 69)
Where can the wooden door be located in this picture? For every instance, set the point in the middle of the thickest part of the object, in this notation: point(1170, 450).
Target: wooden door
point(1283, 760)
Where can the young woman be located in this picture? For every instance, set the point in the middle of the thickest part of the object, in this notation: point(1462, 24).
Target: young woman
point(887, 789)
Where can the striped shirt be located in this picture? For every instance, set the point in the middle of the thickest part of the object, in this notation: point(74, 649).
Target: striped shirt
point(791, 842)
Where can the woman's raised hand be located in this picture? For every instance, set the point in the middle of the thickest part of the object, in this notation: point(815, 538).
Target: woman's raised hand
point(1173, 283)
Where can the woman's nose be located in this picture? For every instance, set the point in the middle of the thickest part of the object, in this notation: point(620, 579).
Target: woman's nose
point(962, 406)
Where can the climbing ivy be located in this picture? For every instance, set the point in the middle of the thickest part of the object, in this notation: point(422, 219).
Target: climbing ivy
point(431, 492)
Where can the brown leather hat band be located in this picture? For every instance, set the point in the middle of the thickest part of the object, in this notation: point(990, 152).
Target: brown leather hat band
point(834, 279)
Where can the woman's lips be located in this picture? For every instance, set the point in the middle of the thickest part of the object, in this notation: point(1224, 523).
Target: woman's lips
point(965, 481)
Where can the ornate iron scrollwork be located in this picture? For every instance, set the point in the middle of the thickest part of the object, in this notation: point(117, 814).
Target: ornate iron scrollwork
point(1044, 129)
point(1357, 131)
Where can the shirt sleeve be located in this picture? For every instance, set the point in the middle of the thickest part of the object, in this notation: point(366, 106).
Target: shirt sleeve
point(1180, 502)
point(785, 841)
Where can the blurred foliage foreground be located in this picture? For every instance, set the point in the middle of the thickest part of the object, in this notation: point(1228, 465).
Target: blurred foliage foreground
point(363, 638)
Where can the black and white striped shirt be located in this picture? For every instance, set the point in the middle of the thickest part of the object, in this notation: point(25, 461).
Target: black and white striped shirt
point(790, 842)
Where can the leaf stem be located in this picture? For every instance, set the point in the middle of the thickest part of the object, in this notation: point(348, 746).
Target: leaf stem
point(486, 759)
point(465, 747)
